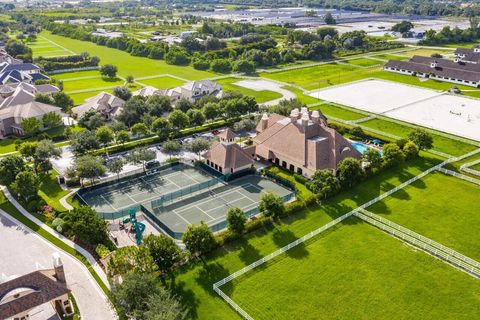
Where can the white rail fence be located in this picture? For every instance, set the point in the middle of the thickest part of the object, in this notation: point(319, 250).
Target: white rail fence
point(460, 176)
point(243, 313)
point(467, 167)
point(436, 249)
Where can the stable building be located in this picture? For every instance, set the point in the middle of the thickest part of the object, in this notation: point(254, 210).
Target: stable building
point(468, 55)
point(456, 71)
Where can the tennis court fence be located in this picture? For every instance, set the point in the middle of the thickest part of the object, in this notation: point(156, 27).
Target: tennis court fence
point(186, 191)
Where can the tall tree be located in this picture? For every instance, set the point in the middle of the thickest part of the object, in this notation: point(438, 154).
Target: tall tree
point(271, 205)
point(325, 183)
point(198, 145)
point(164, 252)
point(115, 165)
point(162, 127)
point(178, 119)
point(30, 125)
point(108, 70)
point(164, 306)
point(236, 220)
point(350, 172)
point(45, 151)
point(87, 226)
point(104, 135)
point(26, 185)
point(171, 147)
point(141, 156)
point(51, 120)
point(421, 138)
point(10, 166)
point(89, 167)
point(199, 239)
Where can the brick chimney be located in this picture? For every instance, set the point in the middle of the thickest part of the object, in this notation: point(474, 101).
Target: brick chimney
point(58, 266)
point(264, 121)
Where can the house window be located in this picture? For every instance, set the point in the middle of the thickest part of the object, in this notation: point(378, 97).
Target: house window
point(231, 170)
point(277, 161)
point(284, 164)
point(221, 169)
point(292, 167)
point(299, 171)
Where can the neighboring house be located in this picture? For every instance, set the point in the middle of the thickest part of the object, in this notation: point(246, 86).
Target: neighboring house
point(108, 105)
point(11, 117)
point(302, 143)
point(20, 72)
point(456, 71)
point(191, 90)
point(469, 55)
point(22, 297)
point(147, 91)
point(5, 57)
point(22, 93)
point(226, 156)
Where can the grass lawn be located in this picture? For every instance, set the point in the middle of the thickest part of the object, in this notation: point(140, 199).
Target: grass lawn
point(389, 57)
point(302, 192)
point(162, 82)
point(69, 76)
point(92, 83)
point(355, 271)
point(330, 109)
point(319, 76)
point(303, 98)
point(127, 64)
point(51, 191)
point(228, 84)
point(476, 167)
point(440, 207)
point(194, 282)
point(460, 45)
point(425, 52)
point(364, 62)
point(79, 98)
point(440, 143)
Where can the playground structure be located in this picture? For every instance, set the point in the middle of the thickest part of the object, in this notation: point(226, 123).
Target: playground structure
point(138, 227)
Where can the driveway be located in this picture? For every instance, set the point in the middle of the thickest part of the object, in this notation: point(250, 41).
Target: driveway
point(263, 84)
point(23, 251)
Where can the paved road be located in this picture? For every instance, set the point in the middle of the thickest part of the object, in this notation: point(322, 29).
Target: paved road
point(23, 251)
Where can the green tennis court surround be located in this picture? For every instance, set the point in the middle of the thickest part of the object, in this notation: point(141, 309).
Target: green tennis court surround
point(178, 195)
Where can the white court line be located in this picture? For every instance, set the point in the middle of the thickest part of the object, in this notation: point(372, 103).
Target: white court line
point(108, 202)
point(173, 183)
point(181, 217)
point(204, 212)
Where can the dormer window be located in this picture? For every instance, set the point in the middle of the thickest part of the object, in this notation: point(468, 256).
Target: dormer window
point(476, 49)
point(433, 64)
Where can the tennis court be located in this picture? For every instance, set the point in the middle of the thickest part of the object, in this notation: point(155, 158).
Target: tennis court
point(118, 196)
point(211, 206)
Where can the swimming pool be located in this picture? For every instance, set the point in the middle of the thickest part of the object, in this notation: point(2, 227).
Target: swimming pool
point(361, 147)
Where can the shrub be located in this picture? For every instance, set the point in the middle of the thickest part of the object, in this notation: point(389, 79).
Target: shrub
point(102, 250)
point(300, 178)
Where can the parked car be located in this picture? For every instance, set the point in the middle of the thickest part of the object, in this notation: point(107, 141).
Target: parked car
point(151, 164)
point(215, 132)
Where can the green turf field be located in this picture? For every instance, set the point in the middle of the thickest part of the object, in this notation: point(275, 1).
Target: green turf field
point(425, 52)
point(319, 76)
point(440, 207)
point(127, 64)
point(194, 283)
point(330, 109)
point(79, 98)
point(440, 143)
point(228, 84)
point(364, 62)
point(69, 76)
point(390, 57)
point(163, 82)
point(355, 271)
point(303, 98)
point(91, 83)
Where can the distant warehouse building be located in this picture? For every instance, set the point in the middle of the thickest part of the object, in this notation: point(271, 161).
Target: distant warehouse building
point(456, 71)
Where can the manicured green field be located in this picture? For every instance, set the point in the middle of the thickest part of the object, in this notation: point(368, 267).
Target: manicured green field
point(69, 76)
point(476, 167)
point(127, 64)
point(92, 83)
point(163, 82)
point(303, 98)
point(355, 271)
point(390, 57)
point(364, 62)
point(425, 52)
point(228, 84)
point(330, 109)
point(320, 76)
point(440, 143)
point(51, 191)
point(440, 207)
point(194, 283)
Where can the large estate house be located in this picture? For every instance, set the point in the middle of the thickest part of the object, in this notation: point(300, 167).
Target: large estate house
point(456, 71)
point(24, 297)
point(302, 142)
